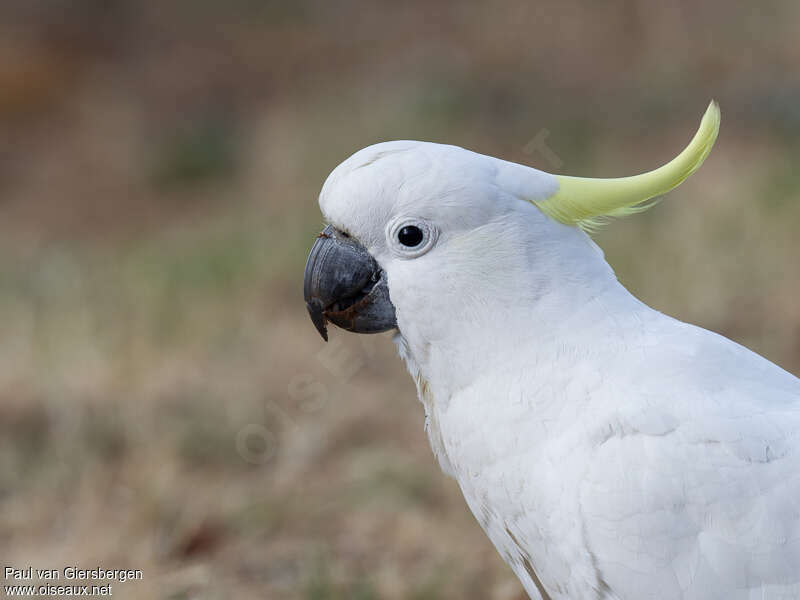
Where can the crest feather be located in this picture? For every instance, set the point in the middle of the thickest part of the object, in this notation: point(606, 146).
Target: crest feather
point(586, 201)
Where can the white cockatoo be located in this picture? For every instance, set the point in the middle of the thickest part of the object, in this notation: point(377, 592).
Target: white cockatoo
point(608, 450)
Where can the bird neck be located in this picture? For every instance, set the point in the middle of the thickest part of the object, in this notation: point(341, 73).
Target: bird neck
point(545, 312)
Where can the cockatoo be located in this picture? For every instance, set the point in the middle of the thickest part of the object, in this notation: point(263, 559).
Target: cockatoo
point(608, 450)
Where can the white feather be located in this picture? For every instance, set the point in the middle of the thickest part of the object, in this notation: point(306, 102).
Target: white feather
point(607, 450)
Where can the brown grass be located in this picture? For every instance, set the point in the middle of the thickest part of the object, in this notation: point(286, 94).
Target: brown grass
point(165, 403)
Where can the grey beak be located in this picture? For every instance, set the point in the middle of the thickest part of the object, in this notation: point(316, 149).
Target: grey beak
point(344, 285)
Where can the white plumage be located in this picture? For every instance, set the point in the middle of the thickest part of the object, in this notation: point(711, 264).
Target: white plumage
point(608, 450)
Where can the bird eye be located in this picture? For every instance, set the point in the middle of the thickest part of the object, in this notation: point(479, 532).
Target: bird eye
point(410, 236)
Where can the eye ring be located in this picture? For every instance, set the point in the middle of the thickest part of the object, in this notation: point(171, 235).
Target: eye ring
point(411, 237)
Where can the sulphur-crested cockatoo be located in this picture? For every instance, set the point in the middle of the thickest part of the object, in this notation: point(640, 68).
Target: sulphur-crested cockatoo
point(608, 450)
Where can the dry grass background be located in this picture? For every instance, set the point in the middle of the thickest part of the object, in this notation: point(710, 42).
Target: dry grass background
point(159, 165)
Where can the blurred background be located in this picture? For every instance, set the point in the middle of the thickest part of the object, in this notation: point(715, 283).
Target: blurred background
point(165, 403)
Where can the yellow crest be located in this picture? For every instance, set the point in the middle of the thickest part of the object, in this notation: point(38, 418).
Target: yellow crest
point(584, 201)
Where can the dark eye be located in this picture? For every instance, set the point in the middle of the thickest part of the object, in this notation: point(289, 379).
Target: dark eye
point(410, 236)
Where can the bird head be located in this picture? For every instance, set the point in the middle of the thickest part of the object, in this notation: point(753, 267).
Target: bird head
point(440, 242)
